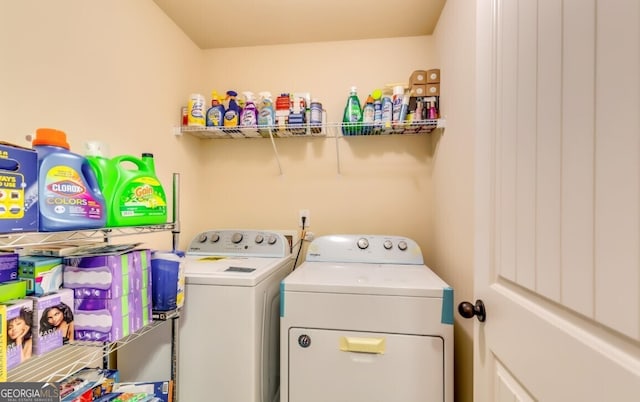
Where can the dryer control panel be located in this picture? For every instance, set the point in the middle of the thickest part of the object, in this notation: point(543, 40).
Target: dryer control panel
point(250, 243)
point(373, 249)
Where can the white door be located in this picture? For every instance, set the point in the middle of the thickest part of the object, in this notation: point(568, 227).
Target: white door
point(558, 200)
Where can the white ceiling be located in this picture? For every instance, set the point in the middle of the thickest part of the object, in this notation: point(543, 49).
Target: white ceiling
point(232, 23)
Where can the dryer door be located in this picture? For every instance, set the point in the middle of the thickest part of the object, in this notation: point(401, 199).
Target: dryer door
point(341, 366)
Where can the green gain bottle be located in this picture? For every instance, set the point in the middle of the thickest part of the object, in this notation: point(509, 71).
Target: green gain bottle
point(133, 194)
point(352, 118)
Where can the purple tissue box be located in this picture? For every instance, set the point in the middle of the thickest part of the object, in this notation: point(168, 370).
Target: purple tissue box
point(106, 320)
point(107, 276)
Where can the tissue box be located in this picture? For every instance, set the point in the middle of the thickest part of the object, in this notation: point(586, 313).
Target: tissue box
point(53, 320)
point(13, 290)
point(8, 267)
point(18, 189)
point(19, 315)
point(44, 274)
point(105, 320)
point(109, 276)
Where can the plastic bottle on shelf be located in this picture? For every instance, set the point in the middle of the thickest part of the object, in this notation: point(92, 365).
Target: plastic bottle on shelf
point(398, 95)
point(315, 117)
point(69, 194)
point(249, 113)
point(368, 116)
point(387, 111)
point(215, 114)
point(352, 117)
point(266, 114)
point(232, 113)
point(196, 111)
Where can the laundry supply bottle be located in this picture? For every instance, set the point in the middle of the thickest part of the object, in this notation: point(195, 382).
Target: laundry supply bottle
point(69, 194)
point(368, 116)
point(352, 117)
point(215, 114)
point(398, 95)
point(249, 112)
point(266, 114)
point(232, 113)
point(135, 196)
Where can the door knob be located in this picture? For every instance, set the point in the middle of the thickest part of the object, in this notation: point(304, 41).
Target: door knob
point(468, 310)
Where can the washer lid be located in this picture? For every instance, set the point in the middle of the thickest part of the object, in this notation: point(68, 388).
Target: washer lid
point(231, 270)
point(366, 279)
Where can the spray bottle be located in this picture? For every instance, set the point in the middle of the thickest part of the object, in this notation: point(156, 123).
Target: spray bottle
point(266, 114)
point(232, 114)
point(249, 113)
point(215, 114)
point(398, 95)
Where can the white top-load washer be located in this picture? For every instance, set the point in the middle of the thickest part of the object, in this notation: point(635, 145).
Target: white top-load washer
point(229, 326)
point(364, 320)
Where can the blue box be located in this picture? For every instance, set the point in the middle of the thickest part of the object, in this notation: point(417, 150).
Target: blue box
point(8, 267)
point(18, 189)
point(43, 273)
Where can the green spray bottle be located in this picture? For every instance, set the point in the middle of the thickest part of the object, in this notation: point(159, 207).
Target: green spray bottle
point(352, 118)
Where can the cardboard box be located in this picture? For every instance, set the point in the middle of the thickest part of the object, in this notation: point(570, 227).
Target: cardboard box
point(105, 320)
point(8, 267)
point(418, 77)
point(44, 274)
point(433, 89)
point(53, 320)
point(433, 76)
point(19, 316)
point(87, 384)
point(162, 390)
point(18, 189)
point(13, 290)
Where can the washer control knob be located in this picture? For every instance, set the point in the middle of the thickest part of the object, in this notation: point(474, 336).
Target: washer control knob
point(259, 239)
point(202, 238)
point(402, 245)
point(387, 245)
point(363, 243)
point(272, 239)
point(214, 238)
point(236, 238)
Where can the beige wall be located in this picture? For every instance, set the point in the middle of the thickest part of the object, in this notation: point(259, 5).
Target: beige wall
point(119, 71)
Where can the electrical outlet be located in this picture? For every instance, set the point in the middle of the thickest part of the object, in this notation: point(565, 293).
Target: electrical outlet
point(304, 213)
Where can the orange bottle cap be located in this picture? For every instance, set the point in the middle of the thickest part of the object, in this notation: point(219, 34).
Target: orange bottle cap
point(51, 136)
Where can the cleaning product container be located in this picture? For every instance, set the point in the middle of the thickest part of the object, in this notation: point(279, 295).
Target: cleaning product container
point(134, 194)
point(167, 280)
point(69, 194)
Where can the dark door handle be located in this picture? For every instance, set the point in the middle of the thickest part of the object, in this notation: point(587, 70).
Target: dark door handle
point(468, 310)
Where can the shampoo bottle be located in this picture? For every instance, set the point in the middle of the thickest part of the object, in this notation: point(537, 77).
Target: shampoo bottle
point(232, 114)
point(249, 113)
point(368, 115)
point(215, 114)
point(352, 117)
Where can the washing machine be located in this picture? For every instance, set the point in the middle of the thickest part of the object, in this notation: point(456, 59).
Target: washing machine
point(364, 319)
point(229, 326)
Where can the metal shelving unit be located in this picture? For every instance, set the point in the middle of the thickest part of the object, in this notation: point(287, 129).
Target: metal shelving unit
point(60, 363)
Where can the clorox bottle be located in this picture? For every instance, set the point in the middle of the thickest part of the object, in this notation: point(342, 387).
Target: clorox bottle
point(134, 194)
point(69, 194)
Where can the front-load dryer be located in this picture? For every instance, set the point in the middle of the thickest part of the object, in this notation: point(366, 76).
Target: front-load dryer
point(363, 319)
point(229, 325)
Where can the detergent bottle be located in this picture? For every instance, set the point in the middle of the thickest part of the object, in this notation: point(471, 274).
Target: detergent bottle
point(352, 114)
point(232, 113)
point(69, 194)
point(134, 194)
point(249, 112)
point(215, 114)
point(266, 114)
point(368, 115)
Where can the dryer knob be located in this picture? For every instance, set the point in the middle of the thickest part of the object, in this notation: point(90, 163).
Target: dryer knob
point(259, 239)
point(402, 245)
point(214, 238)
point(236, 238)
point(272, 239)
point(387, 245)
point(202, 238)
point(363, 243)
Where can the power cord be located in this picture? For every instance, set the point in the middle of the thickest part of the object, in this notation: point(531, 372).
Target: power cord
point(302, 236)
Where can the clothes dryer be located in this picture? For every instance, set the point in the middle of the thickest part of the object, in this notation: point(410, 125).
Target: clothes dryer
point(229, 326)
point(363, 319)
